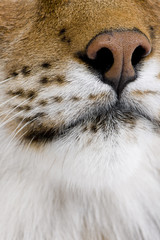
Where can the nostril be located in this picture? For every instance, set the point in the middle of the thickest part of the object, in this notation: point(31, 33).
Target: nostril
point(103, 61)
point(138, 54)
point(115, 55)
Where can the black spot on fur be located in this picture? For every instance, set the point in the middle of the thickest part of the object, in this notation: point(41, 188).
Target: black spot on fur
point(39, 115)
point(152, 31)
point(43, 103)
point(94, 128)
point(75, 98)
point(151, 28)
point(27, 108)
point(84, 129)
point(60, 79)
point(46, 65)
point(18, 92)
point(35, 117)
point(20, 108)
point(58, 99)
point(41, 135)
point(44, 80)
point(62, 31)
point(14, 74)
point(66, 40)
point(26, 71)
point(31, 94)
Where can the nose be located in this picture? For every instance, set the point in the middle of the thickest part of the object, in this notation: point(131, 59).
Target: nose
point(116, 54)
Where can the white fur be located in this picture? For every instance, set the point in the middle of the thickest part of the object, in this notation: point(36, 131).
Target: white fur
point(85, 187)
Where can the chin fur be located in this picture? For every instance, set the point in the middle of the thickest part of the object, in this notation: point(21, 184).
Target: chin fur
point(78, 188)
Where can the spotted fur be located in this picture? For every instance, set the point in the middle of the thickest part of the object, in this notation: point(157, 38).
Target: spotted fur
point(77, 162)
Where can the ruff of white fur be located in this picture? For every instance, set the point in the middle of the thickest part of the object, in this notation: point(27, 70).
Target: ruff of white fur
point(86, 189)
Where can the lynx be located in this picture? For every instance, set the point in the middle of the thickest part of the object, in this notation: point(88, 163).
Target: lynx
point(80, 120)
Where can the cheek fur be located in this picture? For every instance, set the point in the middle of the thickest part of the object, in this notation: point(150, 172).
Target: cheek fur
point(77, 160)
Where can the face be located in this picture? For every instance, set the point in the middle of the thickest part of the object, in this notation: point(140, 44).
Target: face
point(82, 77)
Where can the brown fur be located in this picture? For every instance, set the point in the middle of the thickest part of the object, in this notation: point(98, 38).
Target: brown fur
point(64, 24)
point(38, 36)
point(41, 35)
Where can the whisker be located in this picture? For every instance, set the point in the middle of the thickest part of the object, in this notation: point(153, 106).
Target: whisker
point(8, 79)
point(10, 119)
point(18, 126)
point(29, 144)
point(16, 132)
point(25, 125)
point(8, 101)
point(9, 112)
point(22, 135)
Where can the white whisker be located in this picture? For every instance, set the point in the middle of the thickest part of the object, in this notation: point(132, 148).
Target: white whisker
point(8, 79)
point(10, 111)
point(10, 99)
point(25, 125)
point(17, 126)
point(10, 119)
point(14, 135)
point(29, 144)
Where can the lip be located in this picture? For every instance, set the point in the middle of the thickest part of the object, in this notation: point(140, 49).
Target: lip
point(105, 117)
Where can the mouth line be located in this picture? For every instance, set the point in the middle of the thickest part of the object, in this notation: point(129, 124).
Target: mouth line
point(104, 117)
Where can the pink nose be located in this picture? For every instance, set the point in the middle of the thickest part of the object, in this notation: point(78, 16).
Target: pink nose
point(116, 54)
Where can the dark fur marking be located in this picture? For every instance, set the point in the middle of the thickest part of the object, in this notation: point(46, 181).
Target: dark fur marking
point(151, 28)
point(59, 113)
point(44, 80)
point(37, 115)
point(92, 97)
point(14, 74)
point(84, 129)
point(27, 108)
point(94, 128)
point(46, 65)
point(40, 135)
point(106, 119)
point(19, 92)
point(66, 40)
point(75, 99)
point(63, 37)
point(43, 102)
point(21, 108)
point(26, 71)
point(60, 79)
point(62, 31)
point(58, 99)
point(152, 31)
point(31, 94)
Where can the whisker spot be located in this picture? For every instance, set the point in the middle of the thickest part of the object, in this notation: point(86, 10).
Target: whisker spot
point(46, 65)
point(58, 99)
point(14, 74)
point(31, 94)
point(44, 80)
point(26, 70)
point(75, 98)
point(62, 31)
point(43, 102)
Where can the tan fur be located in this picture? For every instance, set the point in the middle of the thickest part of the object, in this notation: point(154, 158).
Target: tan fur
point(33, 33)
point(41, 35)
